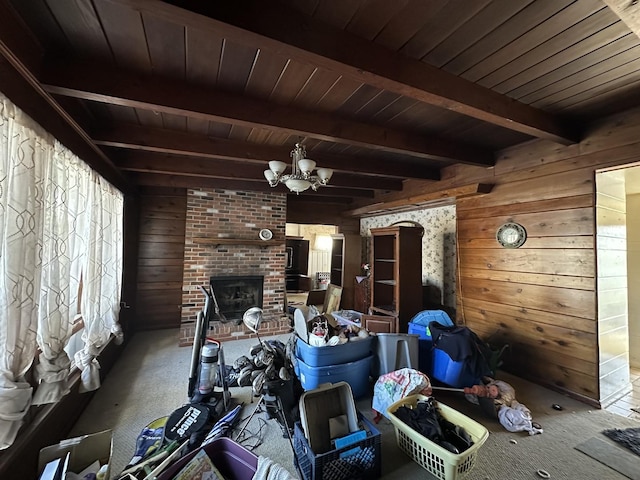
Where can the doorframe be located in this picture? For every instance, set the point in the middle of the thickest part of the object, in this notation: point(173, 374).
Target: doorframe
point(610, 242)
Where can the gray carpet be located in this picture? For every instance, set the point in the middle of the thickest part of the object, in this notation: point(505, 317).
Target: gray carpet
point(612, 455)
point(150, 381)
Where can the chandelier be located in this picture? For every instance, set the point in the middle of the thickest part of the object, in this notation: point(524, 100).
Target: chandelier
point(300, 178)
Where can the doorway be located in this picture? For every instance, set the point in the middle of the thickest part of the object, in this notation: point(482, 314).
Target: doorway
point(318, 260)
point(618, 269)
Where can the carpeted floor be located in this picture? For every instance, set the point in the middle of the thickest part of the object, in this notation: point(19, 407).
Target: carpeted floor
point(610, 454)
point(150, 381)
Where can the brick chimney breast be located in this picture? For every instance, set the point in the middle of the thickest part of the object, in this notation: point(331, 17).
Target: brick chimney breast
point(236, 217)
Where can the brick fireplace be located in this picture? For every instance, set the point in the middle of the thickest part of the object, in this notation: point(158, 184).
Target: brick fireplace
point(237, 293)
point(221, 240)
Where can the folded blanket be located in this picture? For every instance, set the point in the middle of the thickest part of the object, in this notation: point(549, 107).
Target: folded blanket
point(270, 470)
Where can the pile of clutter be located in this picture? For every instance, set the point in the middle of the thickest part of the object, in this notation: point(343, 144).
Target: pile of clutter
point(319, 330)
point(498, 398)
point(495, 397)
point(266, 361)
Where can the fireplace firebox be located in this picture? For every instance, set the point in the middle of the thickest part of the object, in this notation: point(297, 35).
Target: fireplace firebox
point(236, 294)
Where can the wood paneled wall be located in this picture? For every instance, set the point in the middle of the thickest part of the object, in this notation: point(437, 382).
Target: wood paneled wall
point(160, 257)
point(542, 298)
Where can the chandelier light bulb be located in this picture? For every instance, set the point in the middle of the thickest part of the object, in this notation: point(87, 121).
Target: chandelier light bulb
point(271, 177)
point(277, 167)
point(306, 165)
point(325, 175)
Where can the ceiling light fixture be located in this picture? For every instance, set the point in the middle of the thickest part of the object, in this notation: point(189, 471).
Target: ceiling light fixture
point(300, 178)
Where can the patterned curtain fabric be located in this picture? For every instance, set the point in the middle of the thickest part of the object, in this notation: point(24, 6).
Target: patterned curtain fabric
point(60, 222)
point(63, 254)
point(23, 159)
point(102, 278)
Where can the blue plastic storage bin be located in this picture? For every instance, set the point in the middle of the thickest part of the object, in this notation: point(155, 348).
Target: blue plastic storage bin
point(425, 357)
point(421, 330)
point(356, 374)
point(328, 355)
point(425, 347)
point(451, 373)
point(426, 316)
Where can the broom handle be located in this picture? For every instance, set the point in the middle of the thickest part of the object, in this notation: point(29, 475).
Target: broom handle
point(195, 354)
point(217, 307)
point(447, 389)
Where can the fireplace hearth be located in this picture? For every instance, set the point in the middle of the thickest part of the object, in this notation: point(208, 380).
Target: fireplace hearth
point(236, 294)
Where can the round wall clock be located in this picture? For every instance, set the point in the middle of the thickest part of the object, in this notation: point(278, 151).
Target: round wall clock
point(511, 235)
point(265, 234)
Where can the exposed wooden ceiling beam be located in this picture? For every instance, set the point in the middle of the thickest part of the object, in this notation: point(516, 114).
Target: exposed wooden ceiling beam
point(326, 211)
point(181, 181)
point(329, 192)
point(316, 200)
point(270, 25)
point(99, 84)
point(138, 161)
point(19, 70)
point(182, 143)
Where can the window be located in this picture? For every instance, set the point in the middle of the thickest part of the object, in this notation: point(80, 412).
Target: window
point(60, 235)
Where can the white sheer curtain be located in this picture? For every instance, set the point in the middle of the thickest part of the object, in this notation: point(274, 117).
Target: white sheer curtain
point(63, 254)
point(102, 277)
point(24, 153)
point(59, 222)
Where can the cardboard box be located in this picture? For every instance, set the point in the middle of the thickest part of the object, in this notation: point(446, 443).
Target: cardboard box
point(83, 451)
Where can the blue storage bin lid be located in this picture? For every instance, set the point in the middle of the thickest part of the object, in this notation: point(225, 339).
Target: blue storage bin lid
point(424, 317)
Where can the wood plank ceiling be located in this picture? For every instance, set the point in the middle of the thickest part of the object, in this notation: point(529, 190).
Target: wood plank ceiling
point(192, 93)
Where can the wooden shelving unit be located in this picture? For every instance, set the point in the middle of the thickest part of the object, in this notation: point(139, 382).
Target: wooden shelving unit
point(362, 296)
point(396, 274)
point(346, 251)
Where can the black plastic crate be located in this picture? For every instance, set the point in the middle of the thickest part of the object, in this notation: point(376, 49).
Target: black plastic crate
point(360, 460)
